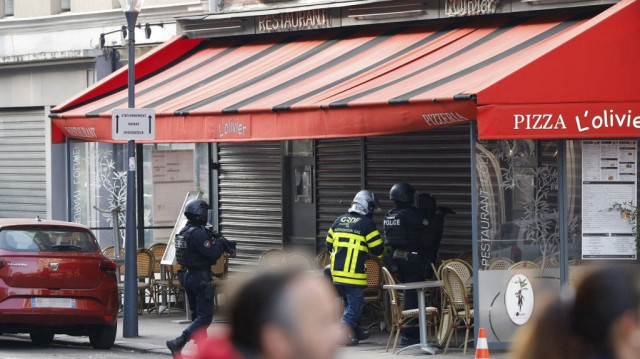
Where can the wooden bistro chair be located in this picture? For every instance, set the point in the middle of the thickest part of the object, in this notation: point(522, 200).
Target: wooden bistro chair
point(460, 305)
point(500, 264)
point(157, 250)
point(401, 317)
point(322, 260)
point(271, 258)
point(145, 262)
point(373, 293)
point(220, 271)
point(524, 265)
point(169, 286)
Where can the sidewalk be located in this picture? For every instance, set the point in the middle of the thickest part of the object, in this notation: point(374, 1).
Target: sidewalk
point(154, 330)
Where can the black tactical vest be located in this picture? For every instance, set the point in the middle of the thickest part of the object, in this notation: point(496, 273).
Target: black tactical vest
point(182, 246)
point(400, 232)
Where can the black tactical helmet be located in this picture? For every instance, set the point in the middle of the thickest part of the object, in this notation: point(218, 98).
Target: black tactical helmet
point(197, 210)
point(402, 192)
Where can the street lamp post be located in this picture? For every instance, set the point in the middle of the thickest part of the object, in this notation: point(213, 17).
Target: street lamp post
point(131, 9)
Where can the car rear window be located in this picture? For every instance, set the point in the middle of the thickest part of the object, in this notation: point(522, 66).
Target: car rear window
point(47, 240)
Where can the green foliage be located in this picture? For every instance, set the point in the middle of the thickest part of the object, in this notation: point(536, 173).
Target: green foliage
point(629, 211)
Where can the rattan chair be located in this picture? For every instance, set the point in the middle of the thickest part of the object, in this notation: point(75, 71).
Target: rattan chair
point(271, 258)
point(524, 265)
point(298, 260)
point(110, 252)
point(549, 262)
point(373, 292)
point(500, 264)
point(400, 318)
point(322, 260)
point(460, 304)
point(145, 262)
point(170, 286)
point(220, 272)
point(157, 250)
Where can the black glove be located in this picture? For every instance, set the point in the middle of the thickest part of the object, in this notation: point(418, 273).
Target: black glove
point(228, 246)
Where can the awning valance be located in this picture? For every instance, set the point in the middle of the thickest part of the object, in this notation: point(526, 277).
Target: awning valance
point(352, 82)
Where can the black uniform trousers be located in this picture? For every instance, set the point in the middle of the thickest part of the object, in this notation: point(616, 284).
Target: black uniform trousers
point(198, 285)
point(410, 271)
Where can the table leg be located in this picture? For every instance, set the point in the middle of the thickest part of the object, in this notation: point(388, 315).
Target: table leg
point(422, 322)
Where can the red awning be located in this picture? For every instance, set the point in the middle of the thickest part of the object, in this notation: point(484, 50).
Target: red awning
point(581, 84)
point(351, 82)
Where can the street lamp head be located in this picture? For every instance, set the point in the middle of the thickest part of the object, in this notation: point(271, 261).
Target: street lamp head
point(131, 5)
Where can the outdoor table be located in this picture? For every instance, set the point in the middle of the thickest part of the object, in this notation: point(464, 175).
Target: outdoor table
point(118, 262)
point(420, 287)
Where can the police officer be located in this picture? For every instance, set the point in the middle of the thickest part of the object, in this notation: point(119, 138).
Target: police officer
point(351, 237)
point(403, 228)
point(433, 220)
point(197, 249)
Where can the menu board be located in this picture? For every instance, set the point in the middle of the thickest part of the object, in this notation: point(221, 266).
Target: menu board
point(609, 176)
point(173, 176)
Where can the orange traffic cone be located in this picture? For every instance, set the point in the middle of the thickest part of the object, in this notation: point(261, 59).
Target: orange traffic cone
point(482, 349)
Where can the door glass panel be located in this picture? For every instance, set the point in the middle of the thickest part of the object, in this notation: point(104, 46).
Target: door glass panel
point(518, 232)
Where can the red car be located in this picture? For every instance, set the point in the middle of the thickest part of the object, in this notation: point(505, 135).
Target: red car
point(55, 280)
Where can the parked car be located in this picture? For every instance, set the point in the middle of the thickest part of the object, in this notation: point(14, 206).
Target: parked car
point(55, 280)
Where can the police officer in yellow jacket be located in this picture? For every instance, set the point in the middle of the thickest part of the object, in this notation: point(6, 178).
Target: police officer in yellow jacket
point(351, 237)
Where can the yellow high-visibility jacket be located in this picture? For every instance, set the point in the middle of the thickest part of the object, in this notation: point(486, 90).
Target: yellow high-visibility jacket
point(351, 237)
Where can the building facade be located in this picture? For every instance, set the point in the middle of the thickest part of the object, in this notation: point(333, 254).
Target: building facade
point(280, 111)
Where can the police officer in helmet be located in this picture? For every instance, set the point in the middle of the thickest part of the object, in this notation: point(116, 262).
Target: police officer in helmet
point(350, 239)
point(403, 228)
point(197, 249)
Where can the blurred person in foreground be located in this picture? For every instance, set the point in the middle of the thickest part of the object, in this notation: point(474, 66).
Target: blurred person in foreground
point(600, 320)
point(279, 315)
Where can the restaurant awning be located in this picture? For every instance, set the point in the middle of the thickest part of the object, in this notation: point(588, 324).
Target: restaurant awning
point(362, 82)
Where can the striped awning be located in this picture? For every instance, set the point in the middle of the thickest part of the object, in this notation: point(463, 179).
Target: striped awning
point(352, 82)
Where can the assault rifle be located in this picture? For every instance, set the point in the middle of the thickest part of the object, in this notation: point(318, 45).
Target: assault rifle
point(227, 245)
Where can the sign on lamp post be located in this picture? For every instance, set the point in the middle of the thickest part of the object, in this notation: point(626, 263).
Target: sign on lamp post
point(133, 124)
point(131, 9)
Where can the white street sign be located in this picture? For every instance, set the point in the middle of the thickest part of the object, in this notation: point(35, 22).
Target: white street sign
point(133, 124)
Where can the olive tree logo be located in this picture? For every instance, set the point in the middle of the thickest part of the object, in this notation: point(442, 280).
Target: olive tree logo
point(519, 299)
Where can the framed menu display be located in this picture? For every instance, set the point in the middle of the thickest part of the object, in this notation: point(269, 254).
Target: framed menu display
point(609, 178)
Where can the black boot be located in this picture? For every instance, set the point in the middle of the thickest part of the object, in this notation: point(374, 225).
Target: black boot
point(176, 345)
point(362, 334)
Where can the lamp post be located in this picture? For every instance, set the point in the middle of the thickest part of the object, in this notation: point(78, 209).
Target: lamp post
point(131, 9)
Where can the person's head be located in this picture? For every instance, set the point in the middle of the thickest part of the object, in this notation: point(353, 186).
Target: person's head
point(197, 211)
point(402, 194)
point(364, 203)
point(286, 315)
point(601, 317)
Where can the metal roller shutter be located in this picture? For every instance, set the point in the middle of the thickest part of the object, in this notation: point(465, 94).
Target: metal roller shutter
point(435, 161)
point(338, 178)
point(22, 163)
point(250, 199)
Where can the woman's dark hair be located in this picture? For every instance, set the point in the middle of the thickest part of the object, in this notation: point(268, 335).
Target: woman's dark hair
point(602, 297)
point(260, 301)
point(580, 325)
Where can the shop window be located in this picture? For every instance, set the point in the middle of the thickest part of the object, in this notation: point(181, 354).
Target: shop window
point(518, 232)
point(602, 179)
point(98, 179)
point(8, 8)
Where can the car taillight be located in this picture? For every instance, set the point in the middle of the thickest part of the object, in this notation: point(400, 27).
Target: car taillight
point(108, 266)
